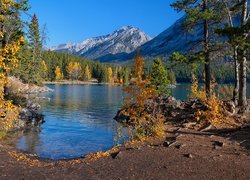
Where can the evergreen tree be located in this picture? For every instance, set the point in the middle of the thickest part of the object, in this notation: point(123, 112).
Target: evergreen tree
point(198, 11)
point(238, 34)
point(11, 37)
point(171, 77)
point(35, 45)
point(159, 77)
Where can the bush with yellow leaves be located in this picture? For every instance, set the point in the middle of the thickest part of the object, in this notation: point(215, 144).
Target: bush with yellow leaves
point(213, 114)
point(140, 91)
point(9, 48)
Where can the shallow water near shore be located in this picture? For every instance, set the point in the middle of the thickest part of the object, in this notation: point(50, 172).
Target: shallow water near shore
point(79, 121)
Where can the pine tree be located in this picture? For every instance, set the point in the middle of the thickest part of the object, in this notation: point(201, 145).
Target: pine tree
point(159, 77)
point(237, 35)
point(171, 77)
point(201, 11)
point(35, 44)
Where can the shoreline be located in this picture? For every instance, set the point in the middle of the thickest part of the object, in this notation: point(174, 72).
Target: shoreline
point(206, 154)
point(76, 83)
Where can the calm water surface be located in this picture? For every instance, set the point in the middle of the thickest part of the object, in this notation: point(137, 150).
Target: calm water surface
point(79, 121)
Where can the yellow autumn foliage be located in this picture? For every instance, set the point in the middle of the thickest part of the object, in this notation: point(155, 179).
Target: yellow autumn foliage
point(214, 106)
point(144, 123)
point(8, 61)
point(59, 74)
point(74, 70)
point(87, 73)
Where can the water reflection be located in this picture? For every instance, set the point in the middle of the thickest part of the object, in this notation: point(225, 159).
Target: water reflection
point(79, 121)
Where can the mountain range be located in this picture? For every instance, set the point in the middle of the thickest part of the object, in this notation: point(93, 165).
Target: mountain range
point(122, 44)
point(124, 40)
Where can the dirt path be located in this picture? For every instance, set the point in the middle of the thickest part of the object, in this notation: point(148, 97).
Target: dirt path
point(183, 154)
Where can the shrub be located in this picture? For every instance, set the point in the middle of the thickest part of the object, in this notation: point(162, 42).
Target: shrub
point(143, 122)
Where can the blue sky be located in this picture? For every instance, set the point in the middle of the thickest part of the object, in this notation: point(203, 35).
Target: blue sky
point(76, 20)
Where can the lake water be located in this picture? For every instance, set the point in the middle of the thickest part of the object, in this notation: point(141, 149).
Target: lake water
point(79, 121)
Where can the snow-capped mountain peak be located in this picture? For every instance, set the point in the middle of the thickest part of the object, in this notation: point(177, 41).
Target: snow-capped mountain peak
point(124, 40)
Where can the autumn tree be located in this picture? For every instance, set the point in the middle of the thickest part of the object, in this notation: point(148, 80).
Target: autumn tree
point(44, 70)
point(74, 70)
point(69, 70)
point(87, 73)
point(139, 92)
point(11, 38)
point(110, 75)
point(59, 74)
point(159, 77)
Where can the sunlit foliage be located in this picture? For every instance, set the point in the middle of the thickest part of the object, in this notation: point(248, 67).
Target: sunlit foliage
point(59, 74)
point(139, 92)
point(74, 70)
point(87, 73)
point(10, 45)
point(213, 114)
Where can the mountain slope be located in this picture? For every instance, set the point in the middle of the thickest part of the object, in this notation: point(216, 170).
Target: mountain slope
point(123, 41)
point(171, 40)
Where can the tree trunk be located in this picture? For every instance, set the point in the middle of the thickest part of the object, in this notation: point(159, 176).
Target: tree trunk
point(236, 69)
point(243, 81)
point(206, 52)
point(243, 63)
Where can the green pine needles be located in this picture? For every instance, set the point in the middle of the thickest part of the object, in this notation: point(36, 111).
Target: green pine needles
point(159, 77)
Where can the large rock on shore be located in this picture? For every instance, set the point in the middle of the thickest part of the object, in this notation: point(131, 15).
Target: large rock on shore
point(173, 110)
point(16, 86)
point(31, 115)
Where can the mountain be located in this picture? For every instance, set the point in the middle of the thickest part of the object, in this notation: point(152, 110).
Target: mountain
point(122, 41)
point(173, 39)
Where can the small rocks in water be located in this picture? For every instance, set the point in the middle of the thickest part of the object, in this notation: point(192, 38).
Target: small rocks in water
point(188, 155)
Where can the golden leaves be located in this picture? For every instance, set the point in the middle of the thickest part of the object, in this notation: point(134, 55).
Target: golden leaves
point(24, 158)
point(214, 107)
point(59, 74)
point(87, 73)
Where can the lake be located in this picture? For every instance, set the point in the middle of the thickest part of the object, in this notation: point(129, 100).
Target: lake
point(79, 121)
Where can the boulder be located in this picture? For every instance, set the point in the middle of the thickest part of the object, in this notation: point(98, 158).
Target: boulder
point(31, 115)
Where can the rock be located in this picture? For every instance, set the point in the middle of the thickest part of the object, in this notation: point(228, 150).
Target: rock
point(218, 143)
point(188, 155)
point(179, 146)
point(169, 141)
point(207, 128)
point(189, 124)
point(121, 117)
point(31, 115)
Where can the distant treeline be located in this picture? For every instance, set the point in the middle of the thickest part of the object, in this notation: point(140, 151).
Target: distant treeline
point(221, 72)
point(77, 68)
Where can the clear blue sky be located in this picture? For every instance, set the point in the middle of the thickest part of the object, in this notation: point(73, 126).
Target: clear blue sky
point(76, 20)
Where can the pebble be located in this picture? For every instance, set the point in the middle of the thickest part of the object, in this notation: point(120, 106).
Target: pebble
point(188, 155)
